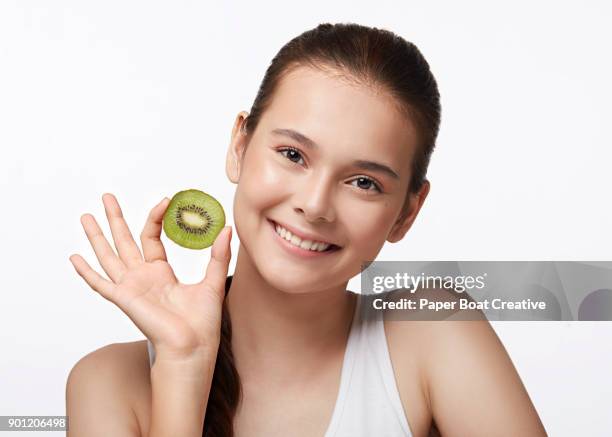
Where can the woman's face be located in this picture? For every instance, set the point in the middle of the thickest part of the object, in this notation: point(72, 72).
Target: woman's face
point(329, 162)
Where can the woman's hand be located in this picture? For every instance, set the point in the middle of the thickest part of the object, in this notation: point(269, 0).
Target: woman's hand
point(181, 320)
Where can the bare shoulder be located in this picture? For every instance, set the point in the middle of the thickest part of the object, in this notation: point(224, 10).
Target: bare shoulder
point(106, 390)
point(468, 383)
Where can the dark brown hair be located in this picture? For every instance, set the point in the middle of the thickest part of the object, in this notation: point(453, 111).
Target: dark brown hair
point(363, 55)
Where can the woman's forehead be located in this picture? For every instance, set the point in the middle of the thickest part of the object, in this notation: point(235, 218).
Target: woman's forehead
point(336, 112)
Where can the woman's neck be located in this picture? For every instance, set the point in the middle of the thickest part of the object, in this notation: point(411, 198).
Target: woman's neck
point(280, 331)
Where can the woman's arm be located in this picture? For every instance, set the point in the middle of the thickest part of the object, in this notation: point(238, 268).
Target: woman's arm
point(180, 393)
point(473, 387)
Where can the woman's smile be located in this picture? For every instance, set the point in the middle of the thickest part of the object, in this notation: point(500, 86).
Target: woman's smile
point(303, 247)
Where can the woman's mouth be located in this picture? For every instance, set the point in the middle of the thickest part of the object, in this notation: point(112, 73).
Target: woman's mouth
point(301, 246)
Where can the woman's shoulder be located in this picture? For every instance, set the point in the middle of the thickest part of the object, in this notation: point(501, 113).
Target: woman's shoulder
point(111, 380)
point(452, 357)
point(119, 361)
point(417, 338)
point(422, 337)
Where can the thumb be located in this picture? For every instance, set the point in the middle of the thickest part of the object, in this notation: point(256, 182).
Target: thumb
point(216, 272)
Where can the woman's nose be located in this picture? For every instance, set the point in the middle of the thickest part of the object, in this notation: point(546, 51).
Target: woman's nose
point(314, 199)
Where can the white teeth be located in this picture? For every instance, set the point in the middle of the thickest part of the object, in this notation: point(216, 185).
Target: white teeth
point(322, 247)
point(306, 244)
point(317, 246)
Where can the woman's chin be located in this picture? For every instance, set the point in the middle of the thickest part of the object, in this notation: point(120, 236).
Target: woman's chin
point(290, 280)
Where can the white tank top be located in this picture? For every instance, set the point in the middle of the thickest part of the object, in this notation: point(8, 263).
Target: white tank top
point(368, 402)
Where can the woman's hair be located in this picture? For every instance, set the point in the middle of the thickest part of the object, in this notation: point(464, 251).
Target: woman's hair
point(362, 55)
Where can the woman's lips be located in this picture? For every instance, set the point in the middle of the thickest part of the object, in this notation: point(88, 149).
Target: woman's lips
point(298, 250)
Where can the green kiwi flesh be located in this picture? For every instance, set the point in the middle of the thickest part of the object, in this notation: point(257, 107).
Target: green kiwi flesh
point(193, 219)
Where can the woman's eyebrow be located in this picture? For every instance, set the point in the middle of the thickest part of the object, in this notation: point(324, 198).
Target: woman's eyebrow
point(300, 138)
point(359, 163)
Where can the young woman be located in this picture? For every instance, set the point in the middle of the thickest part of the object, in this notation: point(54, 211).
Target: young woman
point(329, 164)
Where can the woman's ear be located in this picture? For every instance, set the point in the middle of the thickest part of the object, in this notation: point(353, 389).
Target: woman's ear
point(237, 147)
point(409, 213)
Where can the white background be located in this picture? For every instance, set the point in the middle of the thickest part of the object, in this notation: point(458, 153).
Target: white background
point(138, 98)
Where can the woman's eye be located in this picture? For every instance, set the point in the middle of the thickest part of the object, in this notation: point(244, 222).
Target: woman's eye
point(291, 154)
point(366, 184)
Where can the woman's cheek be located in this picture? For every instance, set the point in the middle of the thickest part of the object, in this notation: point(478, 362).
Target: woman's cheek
point(271, 175)
point(260, 188)
point(365, 226)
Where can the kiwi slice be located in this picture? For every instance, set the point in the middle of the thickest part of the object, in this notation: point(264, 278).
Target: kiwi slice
point(193, 219)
